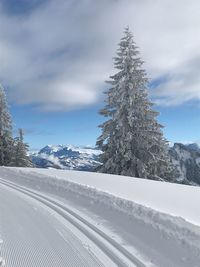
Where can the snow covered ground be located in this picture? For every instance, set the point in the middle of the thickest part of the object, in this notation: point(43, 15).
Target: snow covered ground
point(174, 199)
point(33, 237)
point(157, 223)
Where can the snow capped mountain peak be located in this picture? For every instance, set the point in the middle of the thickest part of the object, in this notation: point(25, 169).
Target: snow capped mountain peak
point(52, 149)
point(185, 156)
point(49, 149)
point(66, 157)
point(194, 146)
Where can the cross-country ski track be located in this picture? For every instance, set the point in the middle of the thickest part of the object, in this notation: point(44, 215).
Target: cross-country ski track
point(67, 218)
point(33, 237)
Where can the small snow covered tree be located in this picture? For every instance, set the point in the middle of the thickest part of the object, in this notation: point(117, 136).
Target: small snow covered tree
point(20, 157)
point(6, 140)
point(132, 140)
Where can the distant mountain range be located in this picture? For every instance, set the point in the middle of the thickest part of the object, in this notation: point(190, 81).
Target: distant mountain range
point(66, 157)
point(185, 157)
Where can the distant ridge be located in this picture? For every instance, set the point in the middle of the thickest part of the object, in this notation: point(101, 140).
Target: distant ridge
point(187, 159)
point(185, 156)
point(66, 157)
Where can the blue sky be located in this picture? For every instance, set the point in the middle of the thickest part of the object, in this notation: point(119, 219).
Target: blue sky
point(77, 127)
point(55, 56)
point(182, 124)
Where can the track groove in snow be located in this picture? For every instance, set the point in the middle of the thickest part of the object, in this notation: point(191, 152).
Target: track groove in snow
point(119, 255)
point(30, 236)
point(156, 238)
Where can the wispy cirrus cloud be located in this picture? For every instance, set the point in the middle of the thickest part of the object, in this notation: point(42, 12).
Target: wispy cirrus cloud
point(56, 55)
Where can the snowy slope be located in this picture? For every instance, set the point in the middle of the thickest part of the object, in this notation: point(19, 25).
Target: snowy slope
point(174, 199)
point(33, 237)
point(157, 222)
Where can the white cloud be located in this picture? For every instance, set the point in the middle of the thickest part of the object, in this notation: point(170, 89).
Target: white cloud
point(58, 56)
point(181, 85)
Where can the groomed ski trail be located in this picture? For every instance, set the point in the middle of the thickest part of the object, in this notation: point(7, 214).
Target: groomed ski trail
point(114, 254)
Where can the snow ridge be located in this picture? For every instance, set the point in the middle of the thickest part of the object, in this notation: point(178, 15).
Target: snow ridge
point(185, 157)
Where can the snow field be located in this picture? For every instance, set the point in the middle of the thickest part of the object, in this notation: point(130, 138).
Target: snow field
point(174, 199)
point(140, 200)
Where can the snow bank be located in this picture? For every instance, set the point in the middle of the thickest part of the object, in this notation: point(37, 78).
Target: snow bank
point(174, 199)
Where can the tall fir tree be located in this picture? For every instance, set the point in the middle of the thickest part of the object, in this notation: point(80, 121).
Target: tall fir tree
point(132, 140)
point(20, 152)
point(6, 140)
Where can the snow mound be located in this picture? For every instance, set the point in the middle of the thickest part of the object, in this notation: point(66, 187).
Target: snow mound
point(174, 199)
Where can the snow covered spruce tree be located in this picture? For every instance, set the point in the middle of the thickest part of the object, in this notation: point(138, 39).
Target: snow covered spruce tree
point(132, 140)
point(20, 151)
point(6, 140)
